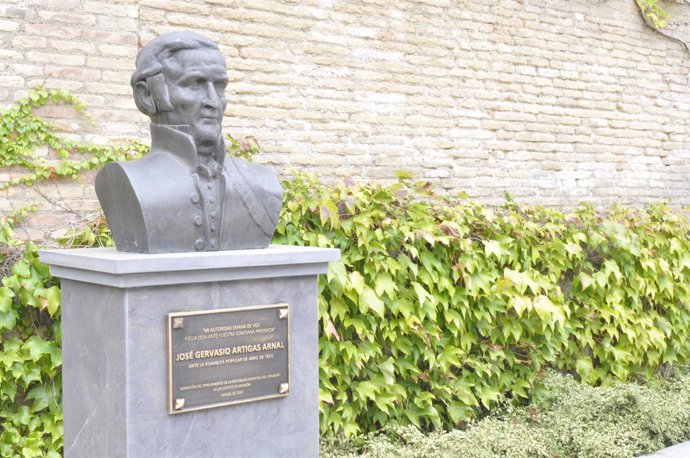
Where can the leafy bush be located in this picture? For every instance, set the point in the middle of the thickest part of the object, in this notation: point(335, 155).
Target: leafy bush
point(440, 309)
point(571, 419)
point(30, 355)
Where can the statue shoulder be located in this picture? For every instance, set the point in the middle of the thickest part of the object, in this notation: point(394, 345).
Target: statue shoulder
point(121, 206)
point(260, 191)
point(258, 176)
point(110, 175)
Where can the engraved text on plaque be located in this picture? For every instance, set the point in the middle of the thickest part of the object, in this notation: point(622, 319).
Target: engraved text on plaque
point(229, 356)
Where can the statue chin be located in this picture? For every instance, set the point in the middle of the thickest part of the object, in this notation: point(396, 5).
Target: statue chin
point(205, 135)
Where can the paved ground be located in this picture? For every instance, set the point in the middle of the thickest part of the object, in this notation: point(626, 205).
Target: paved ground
point(677, 451)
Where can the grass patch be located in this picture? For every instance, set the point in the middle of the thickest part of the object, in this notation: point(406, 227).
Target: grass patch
point(569, 420)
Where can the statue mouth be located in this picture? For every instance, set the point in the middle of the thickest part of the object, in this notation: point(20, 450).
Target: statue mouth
point(209, 118)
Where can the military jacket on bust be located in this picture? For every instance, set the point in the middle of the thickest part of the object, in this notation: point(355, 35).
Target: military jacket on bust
point(167, 202)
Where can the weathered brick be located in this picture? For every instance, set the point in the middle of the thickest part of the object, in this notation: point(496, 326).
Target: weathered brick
point(64, 59)
point(111, 9)
point(29, 42)
point(55, 4)
point(118, 50)
point(114, 76)
point(8, 25)
point(109, 88)
point(177, 6)
point(110, 63)
point(11, 81)
point(116, 23)
point(48, 30)
point(69, 46)
point(67, 18)
point(110, 37)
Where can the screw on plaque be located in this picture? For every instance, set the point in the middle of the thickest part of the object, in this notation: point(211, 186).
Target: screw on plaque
point(282, 314)
point(284, 388)
point(179, 403)
point(178, 323)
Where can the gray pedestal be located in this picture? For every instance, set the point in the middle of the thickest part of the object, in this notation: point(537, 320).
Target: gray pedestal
point(115, 377)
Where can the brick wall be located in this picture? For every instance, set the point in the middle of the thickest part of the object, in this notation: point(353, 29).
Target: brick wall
point(555, 102)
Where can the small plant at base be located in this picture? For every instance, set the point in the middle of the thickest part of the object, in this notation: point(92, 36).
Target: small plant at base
point(570, 419)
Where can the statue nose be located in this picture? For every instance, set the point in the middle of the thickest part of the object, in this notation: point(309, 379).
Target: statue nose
point(212, 98)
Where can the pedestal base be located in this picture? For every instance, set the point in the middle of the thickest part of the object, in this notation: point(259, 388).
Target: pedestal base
point(115, 379)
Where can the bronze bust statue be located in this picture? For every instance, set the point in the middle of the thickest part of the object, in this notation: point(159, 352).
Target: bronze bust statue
point(185, 194)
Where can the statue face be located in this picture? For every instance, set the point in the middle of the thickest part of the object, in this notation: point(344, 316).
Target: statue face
point(196, 81)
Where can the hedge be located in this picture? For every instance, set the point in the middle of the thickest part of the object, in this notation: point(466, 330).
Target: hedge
point(440, 309)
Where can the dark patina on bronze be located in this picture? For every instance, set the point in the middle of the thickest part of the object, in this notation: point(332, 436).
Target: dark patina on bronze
point(228, 356)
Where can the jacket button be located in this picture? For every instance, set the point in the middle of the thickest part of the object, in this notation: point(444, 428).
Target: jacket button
point(195, 198)
point(197, 220)
point(199, 244)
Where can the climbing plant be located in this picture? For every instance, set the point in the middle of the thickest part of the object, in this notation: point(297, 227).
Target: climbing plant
point(656, 18)
point(653, 13)
point(30, 355)
point(23, 134)
point(443, 308)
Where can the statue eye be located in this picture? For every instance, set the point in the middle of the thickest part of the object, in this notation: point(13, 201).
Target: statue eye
point(193, 82)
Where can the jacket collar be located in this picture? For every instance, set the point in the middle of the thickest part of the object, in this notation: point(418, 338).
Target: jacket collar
point(176, 141)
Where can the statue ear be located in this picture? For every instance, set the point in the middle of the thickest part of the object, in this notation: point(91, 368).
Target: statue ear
point(159, 92)
point(144, 99)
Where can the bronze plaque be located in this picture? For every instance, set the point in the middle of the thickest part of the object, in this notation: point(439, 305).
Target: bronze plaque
point(229, 356)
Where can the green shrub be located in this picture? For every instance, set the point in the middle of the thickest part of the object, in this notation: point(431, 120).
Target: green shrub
point(441, 308)
point(570, 420)
point(30, 355)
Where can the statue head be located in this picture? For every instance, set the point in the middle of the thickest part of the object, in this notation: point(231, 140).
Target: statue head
point(180, 81)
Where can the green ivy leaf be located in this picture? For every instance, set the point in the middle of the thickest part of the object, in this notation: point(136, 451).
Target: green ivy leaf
point(584, 367)
point(36, 347)
point(52, 296)
point(8, 319)
point(21, 269)
point(356, 281)
point(384, 284)
point(368, 300)
point(493, 248)
point(520, 304)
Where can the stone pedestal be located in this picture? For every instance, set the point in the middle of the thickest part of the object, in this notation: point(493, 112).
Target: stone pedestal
point(114, 341)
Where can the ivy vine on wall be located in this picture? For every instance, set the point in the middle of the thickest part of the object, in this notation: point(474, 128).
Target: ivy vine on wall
point(23, 133)
point(656, 17)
